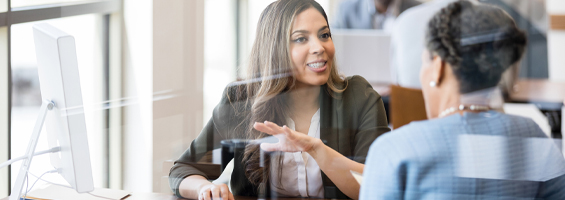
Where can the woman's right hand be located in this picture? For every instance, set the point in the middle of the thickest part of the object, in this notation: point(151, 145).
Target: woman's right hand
point(215, 192)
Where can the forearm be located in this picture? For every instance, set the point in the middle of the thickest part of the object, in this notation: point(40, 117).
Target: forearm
point(337, 167)
point(190, 186)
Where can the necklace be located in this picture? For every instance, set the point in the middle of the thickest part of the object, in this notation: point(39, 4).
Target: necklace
point(463, 107)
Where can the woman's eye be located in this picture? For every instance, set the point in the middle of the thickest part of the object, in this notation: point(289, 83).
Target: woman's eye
point(325, 36)
point(300, 40)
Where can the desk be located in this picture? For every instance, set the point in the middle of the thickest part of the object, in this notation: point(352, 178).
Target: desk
point(159, 196)
point(541, 92)
point(548, 96)
point(545, 94)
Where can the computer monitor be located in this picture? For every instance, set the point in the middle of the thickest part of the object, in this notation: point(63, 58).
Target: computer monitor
point(65, 122)
point(363, 52)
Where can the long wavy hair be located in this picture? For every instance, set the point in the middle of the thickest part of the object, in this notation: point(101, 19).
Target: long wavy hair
point(269, 78)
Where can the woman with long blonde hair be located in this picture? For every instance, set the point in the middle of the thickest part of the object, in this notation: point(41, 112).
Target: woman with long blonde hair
point(293, 81)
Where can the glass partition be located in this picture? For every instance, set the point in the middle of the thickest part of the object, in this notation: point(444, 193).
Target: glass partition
point(466, 146)
point(26, 97)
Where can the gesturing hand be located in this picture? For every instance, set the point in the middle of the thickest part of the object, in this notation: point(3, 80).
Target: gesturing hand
point(289, 140)
point(215, 192)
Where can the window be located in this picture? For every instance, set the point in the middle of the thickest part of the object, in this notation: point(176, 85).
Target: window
point(26, 96)
point(3, 5)
point(90, 23)
point(220, 39)
point(22, 3)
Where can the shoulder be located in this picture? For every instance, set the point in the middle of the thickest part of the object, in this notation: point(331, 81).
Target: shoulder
point(414, 129)
point(357, 84)
point(359, 90)
point(518, 119)
point(498, 123)
point(234, 92)
point(234, 101)
point(407, 136)
point(520, 126)
point(417, 142)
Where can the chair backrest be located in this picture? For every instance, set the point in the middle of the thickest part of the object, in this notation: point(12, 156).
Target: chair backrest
point(406, 105)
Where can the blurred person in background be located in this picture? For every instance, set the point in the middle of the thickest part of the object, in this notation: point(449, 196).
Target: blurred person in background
point(370, 14)
point(407, 42)
point(293, 81)
point(467, 150)
point(531, 16)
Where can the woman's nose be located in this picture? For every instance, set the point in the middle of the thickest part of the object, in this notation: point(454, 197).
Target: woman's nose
point(316, 47)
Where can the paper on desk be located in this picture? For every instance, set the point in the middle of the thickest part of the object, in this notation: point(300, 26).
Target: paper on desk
point(63, 193)
point(358, 176)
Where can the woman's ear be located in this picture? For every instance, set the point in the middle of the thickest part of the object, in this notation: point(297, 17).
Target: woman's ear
point(438, 69)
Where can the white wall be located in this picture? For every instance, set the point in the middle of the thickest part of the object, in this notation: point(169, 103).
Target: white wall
point(163, 59)
point(556, 43)
point(219, 51)
point(178, 74)
point(138, 86)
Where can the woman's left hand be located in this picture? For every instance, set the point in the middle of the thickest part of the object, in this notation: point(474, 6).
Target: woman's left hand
point(289, 140)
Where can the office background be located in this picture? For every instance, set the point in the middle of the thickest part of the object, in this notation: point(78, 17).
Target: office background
point(151, 73)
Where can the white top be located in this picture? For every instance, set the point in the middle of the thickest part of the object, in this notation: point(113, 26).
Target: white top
point(407, 42)
point(301, 175)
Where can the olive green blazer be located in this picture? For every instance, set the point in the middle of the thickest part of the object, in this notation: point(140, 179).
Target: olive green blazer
point(349, 123)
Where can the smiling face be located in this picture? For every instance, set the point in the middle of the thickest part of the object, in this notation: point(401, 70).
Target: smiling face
point(311, 48)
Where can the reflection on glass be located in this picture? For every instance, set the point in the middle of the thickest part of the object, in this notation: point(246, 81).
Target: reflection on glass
point(469, 148)
point(22, 3)
point(531, 16)
point(218, 72)
point(293, 83)
point(249, 19)
point(26, 97)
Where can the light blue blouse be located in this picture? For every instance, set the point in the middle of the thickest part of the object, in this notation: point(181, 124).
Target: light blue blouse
point(487, 155)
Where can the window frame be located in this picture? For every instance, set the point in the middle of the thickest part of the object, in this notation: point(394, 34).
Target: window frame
point(111, 11)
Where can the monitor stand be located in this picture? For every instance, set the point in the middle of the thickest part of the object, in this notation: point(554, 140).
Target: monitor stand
point(46, 105)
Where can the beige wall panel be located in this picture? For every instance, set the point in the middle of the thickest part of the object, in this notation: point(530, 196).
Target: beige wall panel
point(556, 39)
point(178, 70)
point(137, 42)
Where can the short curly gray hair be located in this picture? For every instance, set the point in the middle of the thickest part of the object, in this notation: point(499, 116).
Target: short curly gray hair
point(479, 41)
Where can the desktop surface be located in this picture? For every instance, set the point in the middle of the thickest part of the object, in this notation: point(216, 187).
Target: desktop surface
point(547, 95)
point(160, 196)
